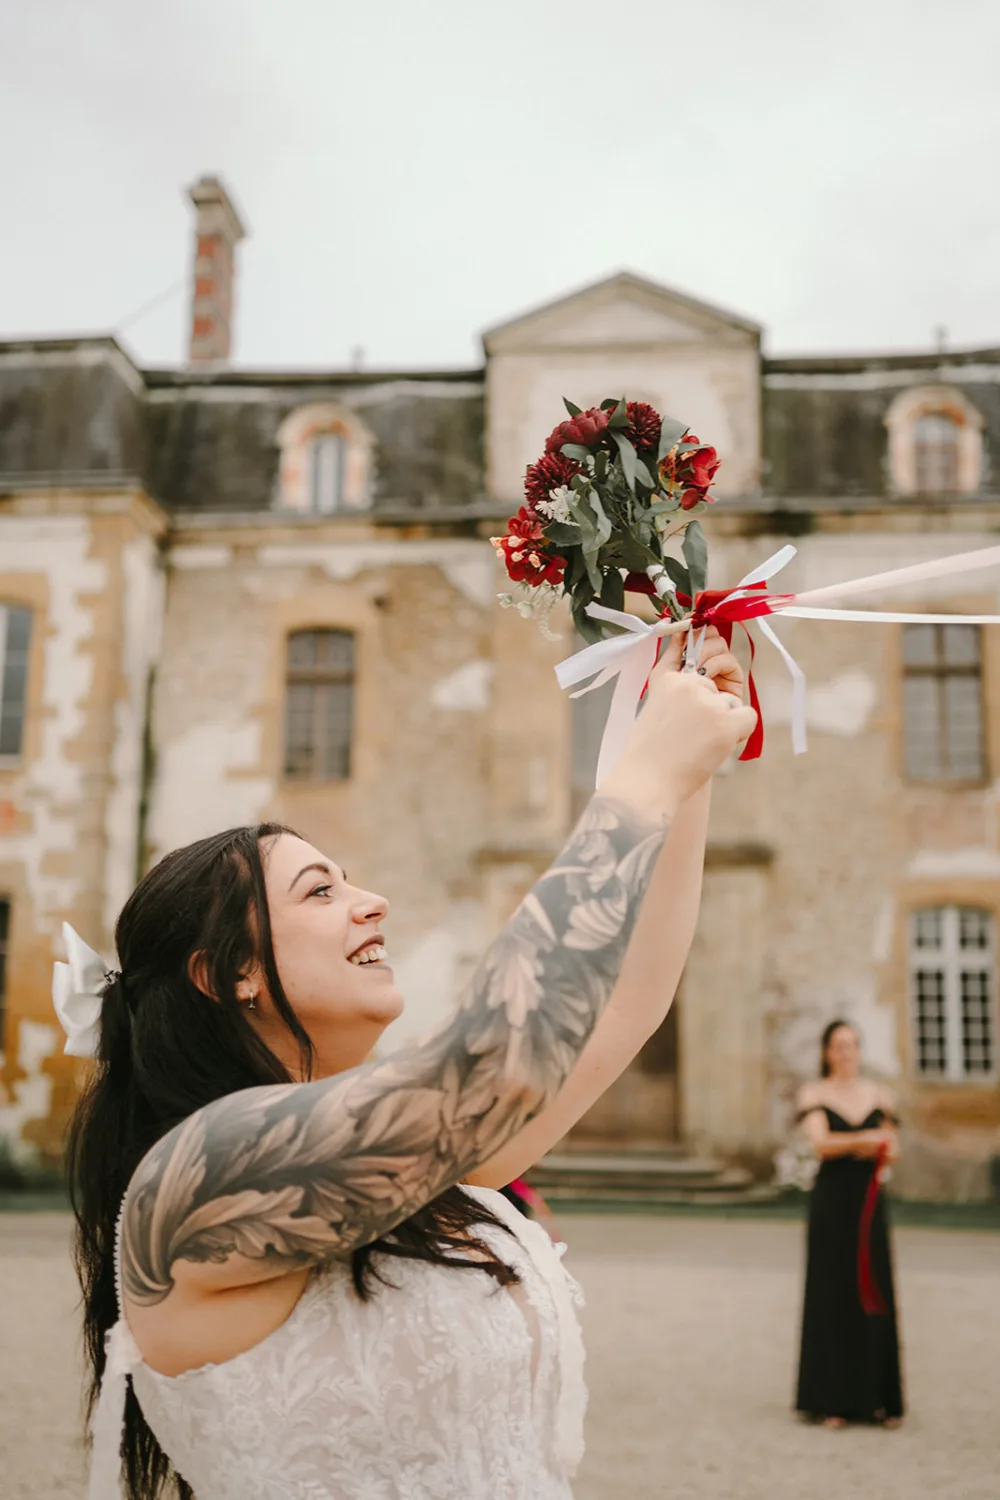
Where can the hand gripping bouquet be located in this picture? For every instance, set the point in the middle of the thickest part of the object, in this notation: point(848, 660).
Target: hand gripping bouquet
point(615, 484)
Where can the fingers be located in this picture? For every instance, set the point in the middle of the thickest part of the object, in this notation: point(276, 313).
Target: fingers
point(725, 671)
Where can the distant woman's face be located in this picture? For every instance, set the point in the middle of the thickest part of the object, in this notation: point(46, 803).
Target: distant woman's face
point(330, 955)
point(843, 1053)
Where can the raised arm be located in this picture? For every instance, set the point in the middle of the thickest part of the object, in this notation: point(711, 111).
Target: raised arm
point(271, 1179)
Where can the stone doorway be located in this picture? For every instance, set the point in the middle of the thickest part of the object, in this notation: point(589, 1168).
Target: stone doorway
point(641, 1110)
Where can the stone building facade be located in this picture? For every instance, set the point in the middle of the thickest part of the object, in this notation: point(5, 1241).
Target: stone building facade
point(229, 595)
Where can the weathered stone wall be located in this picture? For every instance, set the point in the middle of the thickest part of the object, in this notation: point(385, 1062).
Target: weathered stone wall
point(455, 798)
point(88, 568)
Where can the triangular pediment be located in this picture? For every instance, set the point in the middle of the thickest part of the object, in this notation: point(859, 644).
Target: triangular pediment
point(624, 311)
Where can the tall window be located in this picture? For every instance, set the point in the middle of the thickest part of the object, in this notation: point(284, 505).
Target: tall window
point(319, 711)
point(326, 473)
point(15, 634)
point(943, 703)
point(935, 454)
point(4, 939)
point(953, 986)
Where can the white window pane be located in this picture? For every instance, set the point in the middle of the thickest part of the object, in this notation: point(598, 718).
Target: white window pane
point(922, 728)
point(928, 927)
point(929, 987)
point(327, 455)
point(975, 927)
point(963, 727)
point(919, 645)
point(961, 645)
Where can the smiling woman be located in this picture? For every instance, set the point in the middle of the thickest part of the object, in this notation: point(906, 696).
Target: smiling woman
point(244, 1175)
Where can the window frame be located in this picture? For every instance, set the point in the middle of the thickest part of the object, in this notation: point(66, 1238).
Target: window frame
point(7, 608)
point(320, 676)
point(941, 671)
point(948, 959)
point(318, 443)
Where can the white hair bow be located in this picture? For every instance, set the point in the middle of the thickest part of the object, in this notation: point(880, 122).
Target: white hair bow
point(77, 991)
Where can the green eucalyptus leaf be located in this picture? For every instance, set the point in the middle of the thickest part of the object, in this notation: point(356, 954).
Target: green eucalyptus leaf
point(628, 457)
point(696, 556)
point(577, 451)
point(663, 508)
point(574, 411)
point(579, 482)
point(610, 404)
point(604, 527)
point(563, 534)
point(619, 417)
point(678, 574)
point(643, 475)
point(613, 590)
point(671, 432)
point(601, 465)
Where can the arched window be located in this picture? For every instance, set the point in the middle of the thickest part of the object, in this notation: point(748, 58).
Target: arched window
point(319, 705)
point(326, 461)
point(935, 454)
point(935, 442)
point(15, 636)
point(953, 993)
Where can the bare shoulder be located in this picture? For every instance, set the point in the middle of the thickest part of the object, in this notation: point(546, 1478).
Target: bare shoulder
point(810, 1095)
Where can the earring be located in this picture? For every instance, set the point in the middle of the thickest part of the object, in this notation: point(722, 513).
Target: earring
point(252, 1003)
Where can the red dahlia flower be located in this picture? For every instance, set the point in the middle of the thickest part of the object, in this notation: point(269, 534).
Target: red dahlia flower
point(550, 472)
point(643, 430)
point(587, 429)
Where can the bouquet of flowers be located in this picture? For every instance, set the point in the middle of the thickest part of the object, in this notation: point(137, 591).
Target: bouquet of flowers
point(614, 484)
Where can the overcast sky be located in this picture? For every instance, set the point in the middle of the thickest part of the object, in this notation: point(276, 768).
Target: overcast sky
point(415, 172)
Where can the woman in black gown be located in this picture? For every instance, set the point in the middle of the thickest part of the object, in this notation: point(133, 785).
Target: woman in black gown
point(849, 1368)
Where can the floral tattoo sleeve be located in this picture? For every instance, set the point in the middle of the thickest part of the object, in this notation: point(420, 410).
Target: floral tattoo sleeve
point(296, 1173)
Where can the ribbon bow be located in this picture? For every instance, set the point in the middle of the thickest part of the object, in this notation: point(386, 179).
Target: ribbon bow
point(631, 657)
point(77, 992)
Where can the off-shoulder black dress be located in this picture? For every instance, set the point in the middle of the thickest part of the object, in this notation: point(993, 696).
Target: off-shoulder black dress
point(849, 1365)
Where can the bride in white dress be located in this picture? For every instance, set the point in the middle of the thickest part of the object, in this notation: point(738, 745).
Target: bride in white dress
point(299, 1281)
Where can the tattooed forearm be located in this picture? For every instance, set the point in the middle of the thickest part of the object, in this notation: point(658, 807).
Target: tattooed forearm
point(296, 1173)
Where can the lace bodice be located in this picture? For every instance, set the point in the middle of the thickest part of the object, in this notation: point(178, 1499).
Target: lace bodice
point(444, 1386)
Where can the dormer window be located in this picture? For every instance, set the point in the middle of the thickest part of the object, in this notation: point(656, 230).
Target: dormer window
point(326, 461)
point(935, 442)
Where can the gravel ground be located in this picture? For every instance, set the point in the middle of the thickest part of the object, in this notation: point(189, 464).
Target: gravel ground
point(691, 1334)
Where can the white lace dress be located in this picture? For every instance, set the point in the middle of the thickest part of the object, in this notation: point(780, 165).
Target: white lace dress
point(445, 1386)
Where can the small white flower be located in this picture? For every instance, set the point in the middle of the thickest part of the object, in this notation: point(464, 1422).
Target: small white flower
point(556, 507)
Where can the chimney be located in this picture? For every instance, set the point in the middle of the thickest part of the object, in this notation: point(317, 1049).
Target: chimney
point(218, 230)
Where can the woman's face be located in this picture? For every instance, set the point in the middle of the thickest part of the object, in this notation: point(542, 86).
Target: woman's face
point(843, 1053)
point(331, 958)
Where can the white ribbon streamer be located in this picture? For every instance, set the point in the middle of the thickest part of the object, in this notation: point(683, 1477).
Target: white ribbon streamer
point(631, 657)
point(77, 989)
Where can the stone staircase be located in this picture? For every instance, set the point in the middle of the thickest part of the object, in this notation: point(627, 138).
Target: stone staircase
point(637, 1178)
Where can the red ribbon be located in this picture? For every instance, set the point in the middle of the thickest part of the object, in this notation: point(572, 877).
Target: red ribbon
point(717, 607)
point(869, 1293)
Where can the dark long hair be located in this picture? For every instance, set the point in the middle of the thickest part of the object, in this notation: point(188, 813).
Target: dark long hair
point(824, 1045)
point(166, 1050)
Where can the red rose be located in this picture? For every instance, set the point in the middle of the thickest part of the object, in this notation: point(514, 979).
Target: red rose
point(550, 472)
point(643, 430)
point(690, 498)
point(587, 429)
point(696, 469)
